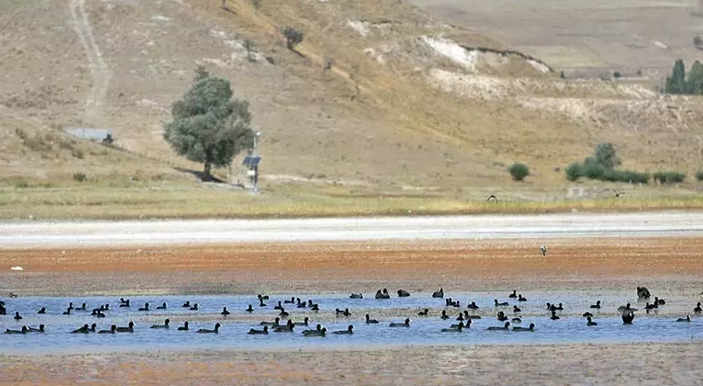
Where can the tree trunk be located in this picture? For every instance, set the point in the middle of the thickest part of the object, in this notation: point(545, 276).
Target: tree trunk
point(206, 171)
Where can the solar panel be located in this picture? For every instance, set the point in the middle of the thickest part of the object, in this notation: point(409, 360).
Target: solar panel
point(251, 160)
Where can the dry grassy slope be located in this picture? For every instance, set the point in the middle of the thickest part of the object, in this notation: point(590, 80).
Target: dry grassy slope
point(401, 129)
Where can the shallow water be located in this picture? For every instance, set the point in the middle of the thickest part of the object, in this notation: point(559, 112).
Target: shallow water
point(423, 330)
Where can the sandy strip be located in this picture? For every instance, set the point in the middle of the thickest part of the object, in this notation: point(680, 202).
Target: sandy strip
point(636, 364)
point(204, 232)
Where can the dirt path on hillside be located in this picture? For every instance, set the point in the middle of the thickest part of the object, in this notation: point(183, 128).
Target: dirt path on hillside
point(98, 68)
point(353, 267)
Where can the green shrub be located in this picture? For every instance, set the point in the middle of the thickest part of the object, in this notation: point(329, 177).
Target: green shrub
point(699, 175)
point(519, 171)
point(80, 177)
point(668, 177)
point(627, 176)
point(593, 171)
point(574, 171)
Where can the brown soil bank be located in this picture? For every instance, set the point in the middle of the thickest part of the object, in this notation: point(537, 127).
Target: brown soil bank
point(642, 364)
point(608, 264)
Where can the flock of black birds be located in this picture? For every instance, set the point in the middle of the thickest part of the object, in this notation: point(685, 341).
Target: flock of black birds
point(464, 318)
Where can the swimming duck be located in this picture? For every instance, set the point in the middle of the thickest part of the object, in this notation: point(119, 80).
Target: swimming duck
point(3, 310)
point(403, 293)
point(463, 316)
point(195, 307)
point(587, 315)
point(224, 311)
point(356, 296)
point(24, 330)
point(85, 329)
point(462, 324)
point(590, 322)
point(649, 307)
point(386, 295)
point(215, 331)
point(283, 314)
point(276, 322)
point(262, 297)
point(250, 309)
point(112, 330)
point(129, 328)
point(318, 332)
point(165, 325)
point(265, 331)
point(424, 312)
point(516, 320)
point(184, 327)
point(370, 321)
point(643, 293)
point(162, 306)
point(626, 308)
point(513, 295)
point(344, 312)
point(82, 307)
point(452, 303)
point(503, 304)
point(12, 295)
point(379, 295)
point(504, 328)
point(186, 304)
point(145, 308)
point(279, 306)
point(70, 305)
point(516, 309)
point(17, 316)
point(597, 305)
point(444, 315)
point(698, 308)
point(303, 323)
point(124, 302)
point(262, 304)
point(521, 298)
point(686, 319)
point(531, 328)
point(67, 312)
point(438, 294)
point(315, 307)
point(659, 302)
point(311, 304)
point(472, 306)
point(98, 314)
point(40, 329)
point(348, 331)
point(301, 304)
point(404, 324)
point(287, 328)
point(554, 316)
point(628, 317)
point(501, 316)
point(454, 328)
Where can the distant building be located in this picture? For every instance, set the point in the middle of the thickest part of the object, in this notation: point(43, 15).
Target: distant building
point(103, 135)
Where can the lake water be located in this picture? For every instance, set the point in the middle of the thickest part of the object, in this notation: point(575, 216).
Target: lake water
point(233, 333)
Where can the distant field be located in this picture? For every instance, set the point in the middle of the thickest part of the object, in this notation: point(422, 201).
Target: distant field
point(179, 200)
point(619, 34)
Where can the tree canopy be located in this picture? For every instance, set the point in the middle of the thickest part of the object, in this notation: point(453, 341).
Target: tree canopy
point(679, 83)
point(208, 126)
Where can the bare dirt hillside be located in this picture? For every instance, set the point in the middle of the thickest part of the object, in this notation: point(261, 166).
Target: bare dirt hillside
point(407, 98)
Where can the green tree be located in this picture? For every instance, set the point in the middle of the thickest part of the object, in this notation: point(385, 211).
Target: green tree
point(293, 37)
point(676, 83)
point(695, 79)
point(519, 171)
point(208, 126)
point(606, 156)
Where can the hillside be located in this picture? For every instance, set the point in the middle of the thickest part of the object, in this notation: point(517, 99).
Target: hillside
point(430, 110)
